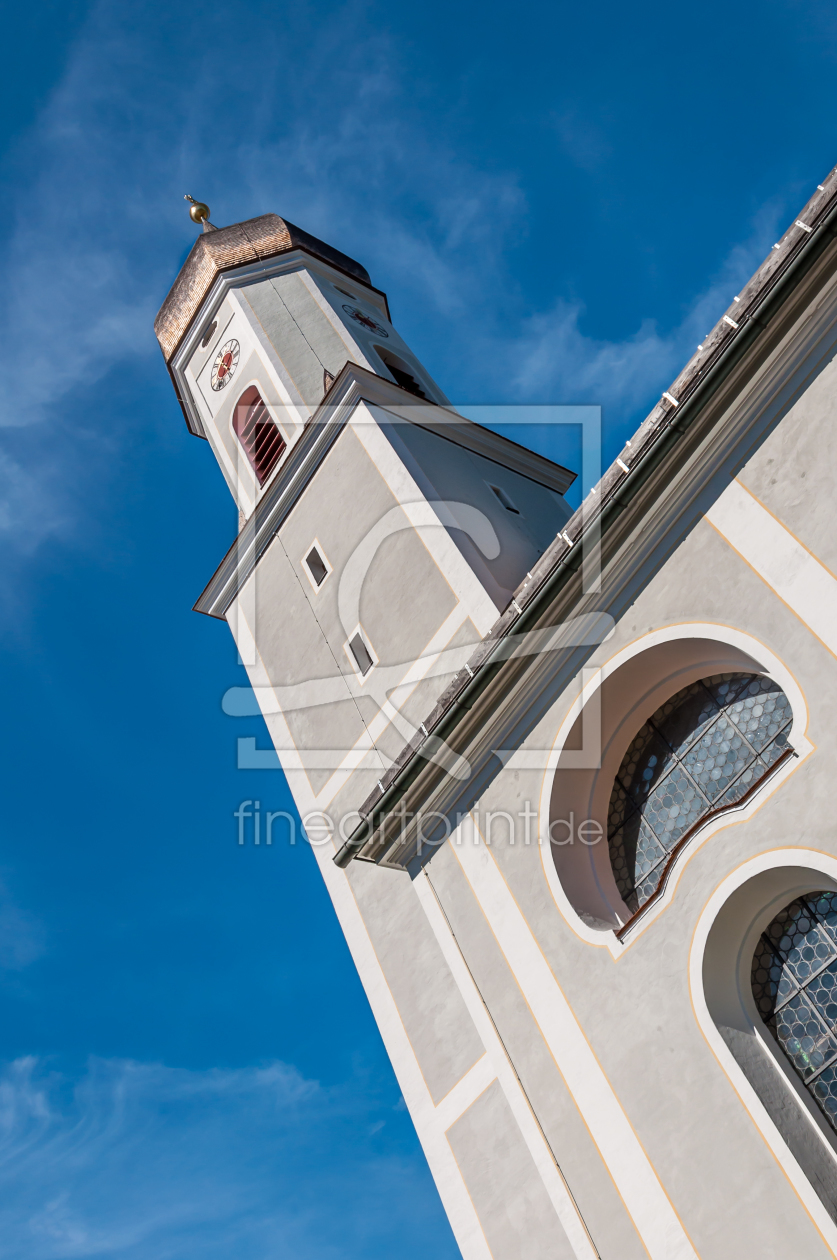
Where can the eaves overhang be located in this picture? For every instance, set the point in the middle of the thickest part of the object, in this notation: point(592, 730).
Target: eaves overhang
point(733, 338)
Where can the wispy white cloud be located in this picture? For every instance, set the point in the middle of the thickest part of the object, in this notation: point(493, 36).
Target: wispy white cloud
point(27, 514)
point(326, 133)
point(134, 1160)
point(555, 361)
point(101, 227)
point(101, 218)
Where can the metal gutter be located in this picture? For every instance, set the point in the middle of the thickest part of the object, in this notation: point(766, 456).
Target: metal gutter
point(721, 351)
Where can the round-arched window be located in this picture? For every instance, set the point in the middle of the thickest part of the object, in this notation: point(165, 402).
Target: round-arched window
point(795, 987)
point(704, 750)
point(258, 433)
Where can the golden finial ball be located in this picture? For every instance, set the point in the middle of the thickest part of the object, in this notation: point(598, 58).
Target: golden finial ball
point(198, 210)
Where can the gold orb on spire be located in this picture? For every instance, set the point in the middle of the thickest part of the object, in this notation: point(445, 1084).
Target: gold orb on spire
point(198, 210)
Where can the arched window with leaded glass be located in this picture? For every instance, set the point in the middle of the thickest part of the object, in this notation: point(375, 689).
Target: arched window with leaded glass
point(794, 982)
point(704, 751)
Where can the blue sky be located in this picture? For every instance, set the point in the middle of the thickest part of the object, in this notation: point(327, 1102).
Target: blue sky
point(559, 200)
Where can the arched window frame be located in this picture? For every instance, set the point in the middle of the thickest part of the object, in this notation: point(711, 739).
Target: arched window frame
point(723, 943)
point(808, 957)
point(585, 713)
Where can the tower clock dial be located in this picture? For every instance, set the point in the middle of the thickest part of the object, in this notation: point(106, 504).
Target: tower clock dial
point(365, 321)
point(226, 361)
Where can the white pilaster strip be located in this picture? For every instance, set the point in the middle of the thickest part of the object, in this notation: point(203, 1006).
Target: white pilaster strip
point(560, 1197)
point(646, 1201)
point(780, 560)
point(465, 1092)
point(446, 1173)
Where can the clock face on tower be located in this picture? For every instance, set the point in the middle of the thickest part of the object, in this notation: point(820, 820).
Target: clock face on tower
point(226, 361)
point(365, 321)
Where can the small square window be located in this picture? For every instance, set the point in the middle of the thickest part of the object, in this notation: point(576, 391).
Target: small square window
point(360, 652)
point(504, 498)
point(316, 565)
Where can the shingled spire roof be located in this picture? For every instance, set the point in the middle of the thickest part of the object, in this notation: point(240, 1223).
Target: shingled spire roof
point(234, 246)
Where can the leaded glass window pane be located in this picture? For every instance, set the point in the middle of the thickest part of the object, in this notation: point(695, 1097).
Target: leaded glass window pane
point(794, 979)
point(674, 806)
point(718, 758)
point(760, 714)
point(643, 764)
point(687, 716)
point(703, 750)
point(805, 1040)
point(824, 1090)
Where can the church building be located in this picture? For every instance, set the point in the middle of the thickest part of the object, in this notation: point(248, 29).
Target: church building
point(567, 774)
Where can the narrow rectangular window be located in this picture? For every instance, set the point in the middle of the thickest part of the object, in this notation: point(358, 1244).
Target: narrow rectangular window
point(316, 566)
point(258, 433)
point(361, 654)
point(504, 499)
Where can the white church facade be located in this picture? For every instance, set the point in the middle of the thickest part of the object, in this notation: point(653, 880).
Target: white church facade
point(568, 775)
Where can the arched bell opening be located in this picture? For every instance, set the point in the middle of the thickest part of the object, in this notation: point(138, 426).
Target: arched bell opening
point(258, 433)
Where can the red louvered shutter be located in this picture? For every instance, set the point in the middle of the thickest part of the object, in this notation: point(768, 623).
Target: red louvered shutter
point(258, 433)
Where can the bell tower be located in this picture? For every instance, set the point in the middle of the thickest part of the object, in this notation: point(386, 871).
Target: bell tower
point(381, 533)
point(381, 537)
point(265, 306)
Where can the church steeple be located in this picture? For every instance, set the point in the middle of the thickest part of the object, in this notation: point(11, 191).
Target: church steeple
point(310, 308)
point(259, 326)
